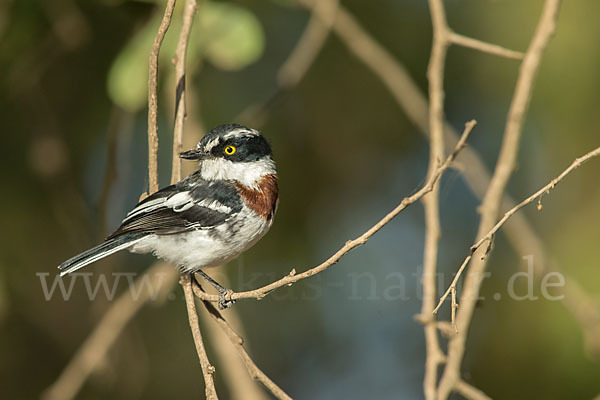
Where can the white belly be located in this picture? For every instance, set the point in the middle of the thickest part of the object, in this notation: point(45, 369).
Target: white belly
point(198, 249)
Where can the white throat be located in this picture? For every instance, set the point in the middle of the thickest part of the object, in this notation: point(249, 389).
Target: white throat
point(247, 173)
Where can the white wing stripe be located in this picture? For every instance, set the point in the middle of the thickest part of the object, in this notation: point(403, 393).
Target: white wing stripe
point(215, 205)
point(146, 207)
point(150, 204)
point(179, 202)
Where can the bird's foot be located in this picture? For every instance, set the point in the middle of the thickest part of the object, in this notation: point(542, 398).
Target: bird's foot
point(225, 302)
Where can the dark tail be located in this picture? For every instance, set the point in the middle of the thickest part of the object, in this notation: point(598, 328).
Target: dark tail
point(96, 253)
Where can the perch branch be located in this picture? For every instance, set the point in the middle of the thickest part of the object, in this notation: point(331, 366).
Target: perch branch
point(292, 277)
point(238, 342)
point(488, 237)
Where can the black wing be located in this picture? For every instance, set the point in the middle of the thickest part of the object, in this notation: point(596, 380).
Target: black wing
point(193, 203)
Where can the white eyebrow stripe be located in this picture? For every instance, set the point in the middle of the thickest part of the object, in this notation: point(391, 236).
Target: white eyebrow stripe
point(240, 132)
point(209, 146)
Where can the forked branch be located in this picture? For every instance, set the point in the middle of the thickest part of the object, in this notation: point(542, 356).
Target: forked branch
point(489, 236)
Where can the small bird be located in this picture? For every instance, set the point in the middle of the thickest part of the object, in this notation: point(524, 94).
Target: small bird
point(209, 217)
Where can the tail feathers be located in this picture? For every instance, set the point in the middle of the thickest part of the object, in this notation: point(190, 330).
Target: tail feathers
point(96, 253)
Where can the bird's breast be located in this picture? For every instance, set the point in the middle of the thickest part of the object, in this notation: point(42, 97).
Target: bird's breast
point(262, 199)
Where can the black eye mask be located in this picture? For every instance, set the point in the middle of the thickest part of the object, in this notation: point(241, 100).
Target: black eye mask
point(248, 148)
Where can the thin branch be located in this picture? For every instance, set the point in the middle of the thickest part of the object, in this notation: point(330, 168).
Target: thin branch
point(485, 47)
point(238, 342)
point(207, 369)
point(435, 74)
point(234, 375)
point(153, 97)
point(490, 234)
point(470, 392)
point(93, 350)
point(180, 112)
point(493, 197)
point(292, 277)
point(309, 45)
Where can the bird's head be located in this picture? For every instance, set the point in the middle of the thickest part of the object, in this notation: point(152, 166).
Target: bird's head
point(233, 152)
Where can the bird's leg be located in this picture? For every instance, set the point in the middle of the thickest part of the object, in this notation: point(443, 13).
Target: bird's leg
point(222, 303)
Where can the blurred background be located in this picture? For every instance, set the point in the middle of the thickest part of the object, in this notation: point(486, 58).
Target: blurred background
point(73, 87)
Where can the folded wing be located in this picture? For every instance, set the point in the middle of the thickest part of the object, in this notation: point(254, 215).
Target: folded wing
point(190, 204)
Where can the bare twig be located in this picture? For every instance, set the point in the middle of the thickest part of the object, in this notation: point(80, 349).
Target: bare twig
point(484, 47)
point(292, 277)
point(238, 342)
point(310, 43)
point(179, 59)
point(153, 98)
point(435, 74)
point(207, 369)
point(234, 374)
point(470, 392)
point(93, 350)
point(493, 197)
point(489, 235)
point(409, 97)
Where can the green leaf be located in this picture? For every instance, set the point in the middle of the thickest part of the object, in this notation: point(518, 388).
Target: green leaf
point(229, 36)
point(128, 75)
point(232, 36)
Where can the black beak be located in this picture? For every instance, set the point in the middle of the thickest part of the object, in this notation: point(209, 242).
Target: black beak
point(194, 154)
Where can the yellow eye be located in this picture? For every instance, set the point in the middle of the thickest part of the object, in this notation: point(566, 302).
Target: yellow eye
point(230, 150)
